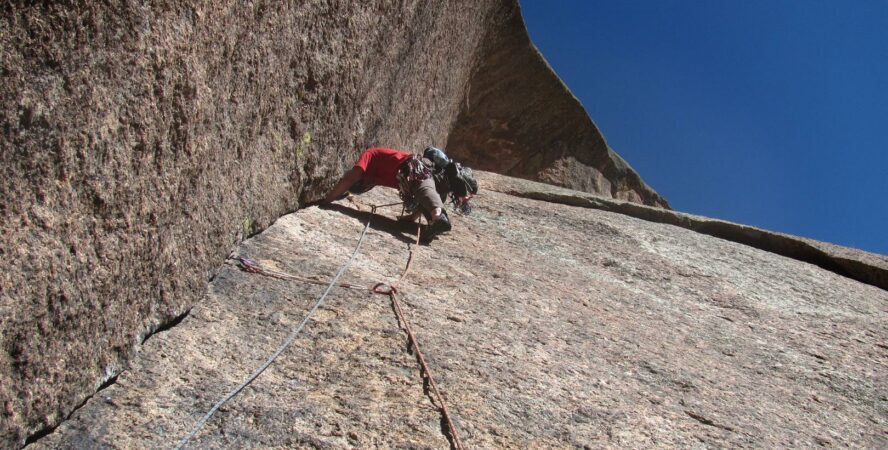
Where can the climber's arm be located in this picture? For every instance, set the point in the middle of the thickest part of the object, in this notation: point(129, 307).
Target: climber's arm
point(348, 180)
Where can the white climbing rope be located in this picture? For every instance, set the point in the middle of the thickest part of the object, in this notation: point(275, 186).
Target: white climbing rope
point(283, 347)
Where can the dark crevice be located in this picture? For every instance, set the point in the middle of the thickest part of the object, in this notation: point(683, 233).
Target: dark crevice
point(707, 421)
point(46, 431)
point(42, 433)
point(39, 435)
point(108, 383)
point(426, 384)
point(167, 326)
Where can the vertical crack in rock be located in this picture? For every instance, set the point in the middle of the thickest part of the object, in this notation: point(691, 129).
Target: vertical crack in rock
point(426, 384)
point(46, 431)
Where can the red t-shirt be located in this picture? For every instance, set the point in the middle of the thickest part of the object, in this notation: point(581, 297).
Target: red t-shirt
point(380, 166)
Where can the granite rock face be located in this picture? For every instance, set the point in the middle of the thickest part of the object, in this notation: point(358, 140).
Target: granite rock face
point(862, 266)
point(519, 119)
point(546, 325)
point(140, 142)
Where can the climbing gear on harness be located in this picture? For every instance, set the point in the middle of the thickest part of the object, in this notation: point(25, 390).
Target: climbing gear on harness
point(451, 179)
point(411, 170)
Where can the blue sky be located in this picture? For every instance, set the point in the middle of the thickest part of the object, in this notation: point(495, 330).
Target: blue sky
point(772, 113)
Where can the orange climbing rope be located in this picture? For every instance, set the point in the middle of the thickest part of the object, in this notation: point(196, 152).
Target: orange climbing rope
point(391, 290)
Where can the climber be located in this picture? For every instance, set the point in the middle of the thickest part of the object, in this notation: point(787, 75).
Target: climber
point(403, 171)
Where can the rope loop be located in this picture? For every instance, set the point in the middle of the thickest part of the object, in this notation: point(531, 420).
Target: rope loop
point(248, 265)
point(384, 289)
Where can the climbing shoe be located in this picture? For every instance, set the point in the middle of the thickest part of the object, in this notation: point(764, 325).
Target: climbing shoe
point(442, 225)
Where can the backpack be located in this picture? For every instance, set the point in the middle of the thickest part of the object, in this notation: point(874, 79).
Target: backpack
point(451, 179)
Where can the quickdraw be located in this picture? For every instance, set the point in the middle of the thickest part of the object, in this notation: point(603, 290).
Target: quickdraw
point(411, 171)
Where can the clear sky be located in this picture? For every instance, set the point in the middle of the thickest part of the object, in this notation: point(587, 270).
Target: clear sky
point(772, 113)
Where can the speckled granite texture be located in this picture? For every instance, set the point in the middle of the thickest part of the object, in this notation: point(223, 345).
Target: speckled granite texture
point(546, 325)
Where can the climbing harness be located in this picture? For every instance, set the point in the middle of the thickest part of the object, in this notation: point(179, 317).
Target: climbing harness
point(411, 171)
point(391, 290)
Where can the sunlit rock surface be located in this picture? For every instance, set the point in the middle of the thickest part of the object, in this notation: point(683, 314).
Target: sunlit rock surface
point(546, 325)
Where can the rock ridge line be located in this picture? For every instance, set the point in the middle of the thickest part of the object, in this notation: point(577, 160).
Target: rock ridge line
point(859, 265)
